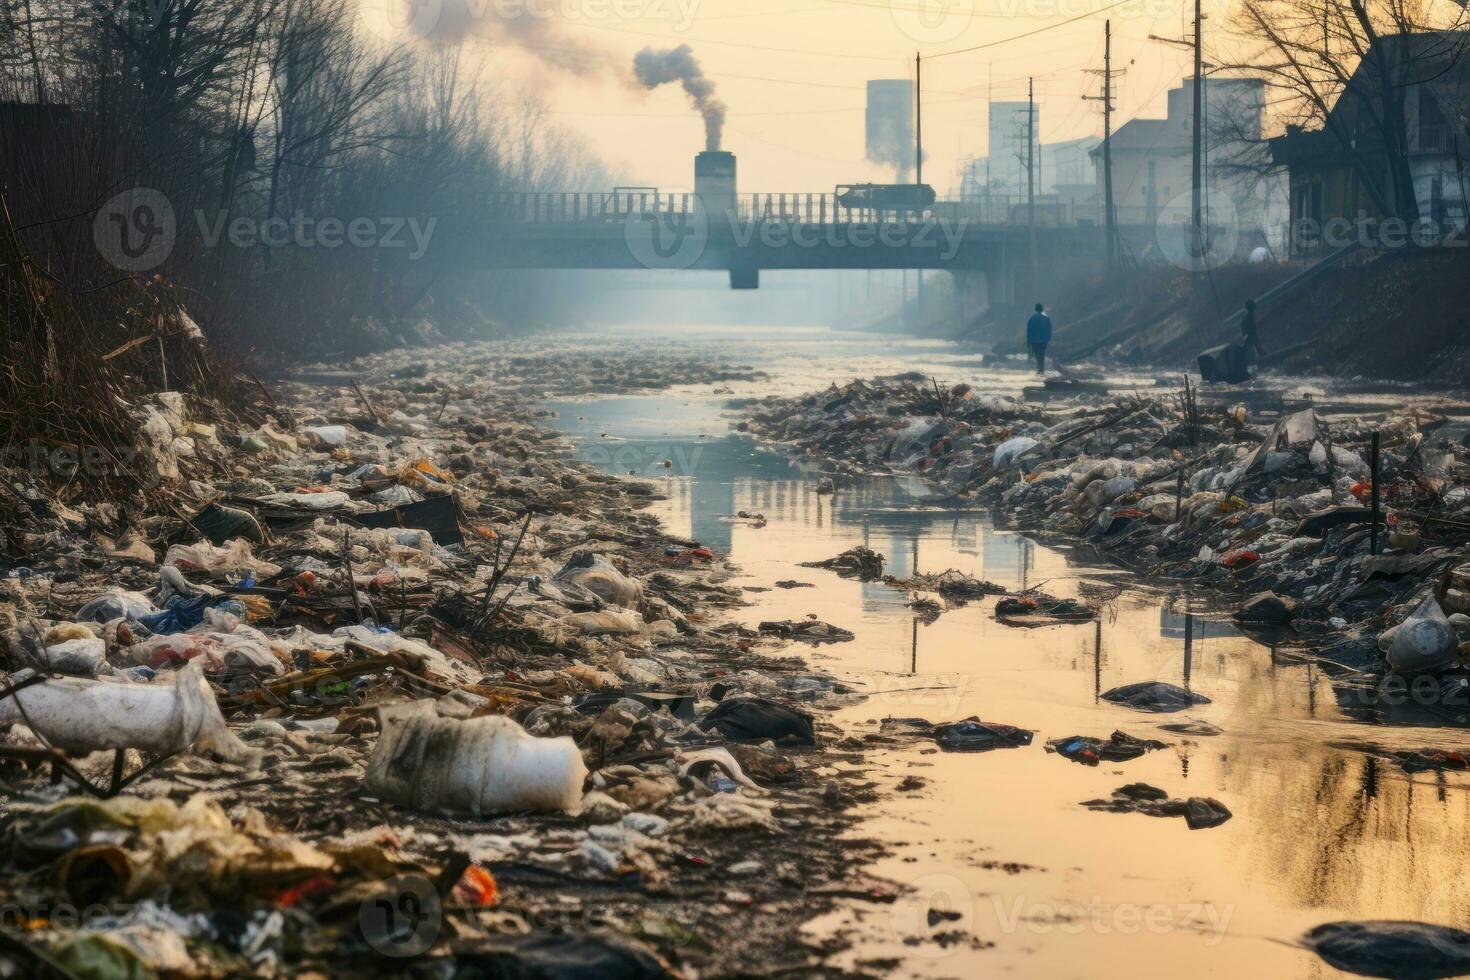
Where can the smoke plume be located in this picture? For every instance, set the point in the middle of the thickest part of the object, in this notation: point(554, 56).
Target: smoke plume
point(890, 125)
point(655, 68)
point(454, 22)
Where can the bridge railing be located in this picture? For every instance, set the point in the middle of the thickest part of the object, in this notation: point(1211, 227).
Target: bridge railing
point(555, 207)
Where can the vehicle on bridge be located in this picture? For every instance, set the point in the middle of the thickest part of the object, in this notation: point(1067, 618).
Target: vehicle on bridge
point(885, 197)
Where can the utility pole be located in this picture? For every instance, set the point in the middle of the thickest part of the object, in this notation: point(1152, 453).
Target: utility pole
point(1196, 218)
point(1031, 174)
point(919, 170)
point(1110, 211)
point(1112, 214)
point(918, 122)
point(1196, 182)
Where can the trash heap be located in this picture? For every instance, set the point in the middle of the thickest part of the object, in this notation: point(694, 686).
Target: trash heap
point(1278, 508)
point(389, 675)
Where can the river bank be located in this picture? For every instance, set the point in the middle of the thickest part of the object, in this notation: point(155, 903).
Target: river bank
point(280, 770)
point(1333, 820)
point(886, 853)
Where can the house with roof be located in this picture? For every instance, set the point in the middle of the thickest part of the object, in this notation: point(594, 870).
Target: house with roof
point(1153, 159)
point(1341, 171)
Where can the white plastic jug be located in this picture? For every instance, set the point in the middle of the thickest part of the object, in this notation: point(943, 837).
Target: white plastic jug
point(471, 765)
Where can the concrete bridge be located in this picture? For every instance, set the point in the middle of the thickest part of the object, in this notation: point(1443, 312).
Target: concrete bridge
point(743, 234)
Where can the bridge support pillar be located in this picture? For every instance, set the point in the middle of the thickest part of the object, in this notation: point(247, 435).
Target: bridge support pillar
point(745, 277)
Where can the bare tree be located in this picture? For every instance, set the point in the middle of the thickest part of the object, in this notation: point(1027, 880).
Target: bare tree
point(1346, 66)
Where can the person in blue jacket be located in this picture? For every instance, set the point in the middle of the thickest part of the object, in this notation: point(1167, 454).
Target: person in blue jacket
point(1038, 335)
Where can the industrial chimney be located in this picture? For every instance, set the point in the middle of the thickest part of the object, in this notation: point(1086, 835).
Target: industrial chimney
point(714, 182)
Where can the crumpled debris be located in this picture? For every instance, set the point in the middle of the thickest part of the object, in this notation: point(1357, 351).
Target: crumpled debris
point(863, 564)
point(757, 719)
point(1237, 500)
point(1156, 696)
point(1400, 949)
point(396, 663)
point(807, 631)
point(596, 574)
point(974, 735)
point(1039, 609)
point(1199, 812)
point(1089, 751)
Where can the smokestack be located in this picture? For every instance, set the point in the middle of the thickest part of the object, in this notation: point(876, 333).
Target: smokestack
point(655, 68)
point(890, 124)
point(714, 181)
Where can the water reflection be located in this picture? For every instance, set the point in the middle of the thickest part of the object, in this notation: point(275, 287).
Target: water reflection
point(1322, 830)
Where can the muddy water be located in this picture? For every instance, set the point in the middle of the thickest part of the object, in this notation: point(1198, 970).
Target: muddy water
point(1042, 886)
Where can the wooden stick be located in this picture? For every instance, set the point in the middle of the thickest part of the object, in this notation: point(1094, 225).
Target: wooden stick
point(372, 410)
point(1373, 467)
point(347, 570)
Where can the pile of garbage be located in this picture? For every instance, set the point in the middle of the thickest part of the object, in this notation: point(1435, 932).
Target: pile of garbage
point(390, 675)
point(1287, 509)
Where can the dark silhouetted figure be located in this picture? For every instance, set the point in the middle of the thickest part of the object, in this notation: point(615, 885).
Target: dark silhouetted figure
point(1250, 339)
point(1038, 335)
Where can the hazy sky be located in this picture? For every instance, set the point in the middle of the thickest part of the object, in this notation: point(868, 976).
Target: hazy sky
point(793, 74)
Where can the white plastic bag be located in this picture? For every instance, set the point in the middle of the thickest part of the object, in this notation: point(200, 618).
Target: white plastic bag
point(233, 556)
point(82, 657)
point(1424, 641)
point(1008, 451)
point(327, 436)
point(600, 576)
point(116, 604)
point(79, 715)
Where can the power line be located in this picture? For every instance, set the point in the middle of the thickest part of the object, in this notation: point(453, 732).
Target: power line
point(682, 39)
point(1033, 33)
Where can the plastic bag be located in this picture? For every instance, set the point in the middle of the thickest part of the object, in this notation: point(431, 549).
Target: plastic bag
point(82, 657)
point(79, 715)
point(232, 557)
point(599, 576)
point(1424, 641)
point(1008, 451)
point(115, 604)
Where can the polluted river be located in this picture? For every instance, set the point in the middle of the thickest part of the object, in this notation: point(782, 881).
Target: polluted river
point(990, 863)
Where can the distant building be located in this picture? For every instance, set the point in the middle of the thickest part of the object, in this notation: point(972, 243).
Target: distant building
point(1153, 158)
point(1329, 169)
point(1064, 164)
point(1002, 171)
